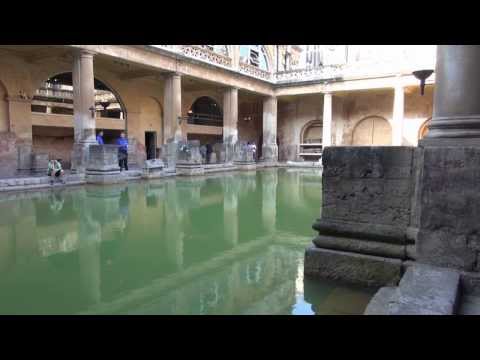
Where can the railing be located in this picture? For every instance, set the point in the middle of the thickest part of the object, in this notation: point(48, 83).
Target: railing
point(319, 73)
point(254, 71)
point(207, 55)
point(203, 119)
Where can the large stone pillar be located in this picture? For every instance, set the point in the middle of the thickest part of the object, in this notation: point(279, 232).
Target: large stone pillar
point(447, 188)
point(172, 102)
point(398, 113)
point(83, 108)
point(270, 147)
point(327, 120)
point(230, 122)
point(456, 112)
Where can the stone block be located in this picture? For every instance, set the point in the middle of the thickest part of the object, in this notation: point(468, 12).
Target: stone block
point(188, 152)
point(448, 204)
point(423, 290)
point(366, 270)
point(360, 246)
point(39, 163)
point(102, 166)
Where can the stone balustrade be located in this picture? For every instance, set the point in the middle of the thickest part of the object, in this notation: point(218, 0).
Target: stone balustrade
point(204, 54)
point(254, 71)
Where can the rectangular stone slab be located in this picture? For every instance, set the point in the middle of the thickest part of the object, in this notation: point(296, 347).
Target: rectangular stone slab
point(353, 268)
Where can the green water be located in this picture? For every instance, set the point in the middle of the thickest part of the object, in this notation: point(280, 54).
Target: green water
point(226, 244)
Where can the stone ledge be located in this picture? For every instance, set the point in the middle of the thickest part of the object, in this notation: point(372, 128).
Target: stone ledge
point(423, 290)
point(366, 270)
point(361, 246)
point(370, 231)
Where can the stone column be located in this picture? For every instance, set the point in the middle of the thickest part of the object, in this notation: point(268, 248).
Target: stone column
point(456, 112)
point(172, 102)
point(230, 122)
point(270, 147)
point(398, 112)
point(447, 190)
point(327, 120)
point(83, 108)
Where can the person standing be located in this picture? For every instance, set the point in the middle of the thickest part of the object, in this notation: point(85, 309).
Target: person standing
point(100, 138)
point(122, 143)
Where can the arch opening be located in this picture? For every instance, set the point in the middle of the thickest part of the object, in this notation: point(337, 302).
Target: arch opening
point(422, 132)
point(205, 111)
point(55, 96)
point(372, 131)
point(312, 133)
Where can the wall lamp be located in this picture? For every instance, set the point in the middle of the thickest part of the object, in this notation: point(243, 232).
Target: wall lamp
point(422, 75)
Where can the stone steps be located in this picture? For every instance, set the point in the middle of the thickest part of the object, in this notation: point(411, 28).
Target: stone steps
point(37, 182)
point(423, 290)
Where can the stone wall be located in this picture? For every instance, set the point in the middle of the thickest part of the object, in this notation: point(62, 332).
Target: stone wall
point(56, 142)
point(292, 117)
point(8, 154)
point(250, 130)
point(448, 208)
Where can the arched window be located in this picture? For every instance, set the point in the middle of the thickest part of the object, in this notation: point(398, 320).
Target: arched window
point(254, 55)
point(55, 96)
point(205, 111)
point(312, 133)
point(424, 129)
point(373, 130)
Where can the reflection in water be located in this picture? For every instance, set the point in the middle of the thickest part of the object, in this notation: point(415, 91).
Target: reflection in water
point(225, 244)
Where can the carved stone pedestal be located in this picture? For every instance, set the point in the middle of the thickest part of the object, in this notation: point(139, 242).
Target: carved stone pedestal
point(103, 166)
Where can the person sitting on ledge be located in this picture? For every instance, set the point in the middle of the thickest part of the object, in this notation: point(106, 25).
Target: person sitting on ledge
point(55, 169)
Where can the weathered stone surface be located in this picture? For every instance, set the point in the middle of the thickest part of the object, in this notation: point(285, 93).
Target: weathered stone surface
point(449, 204)
point(243, 155)
point(380, 303)
point(368, 185)
point(423, 290)
point(188, 152)
point(102, 166)
point(354, 268)
point(153, 168)
point(361, 246)
point(371, 232)
point(39, 163)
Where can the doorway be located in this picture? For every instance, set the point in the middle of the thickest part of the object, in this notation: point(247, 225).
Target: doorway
point(151, 144)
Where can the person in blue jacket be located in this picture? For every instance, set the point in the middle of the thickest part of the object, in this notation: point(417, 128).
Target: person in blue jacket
point(122, 143)
point(100, 138)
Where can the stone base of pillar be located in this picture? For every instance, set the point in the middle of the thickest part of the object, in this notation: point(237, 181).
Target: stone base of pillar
point(448, 204)
point(79, 158)
point(102, 167)
point(351, 267)
point(366, 212)
point(270, 153)
point(188, 169)
point(169, 154)
point(220, 154)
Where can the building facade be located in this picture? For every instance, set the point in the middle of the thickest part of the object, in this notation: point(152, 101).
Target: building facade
point(291, 100)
